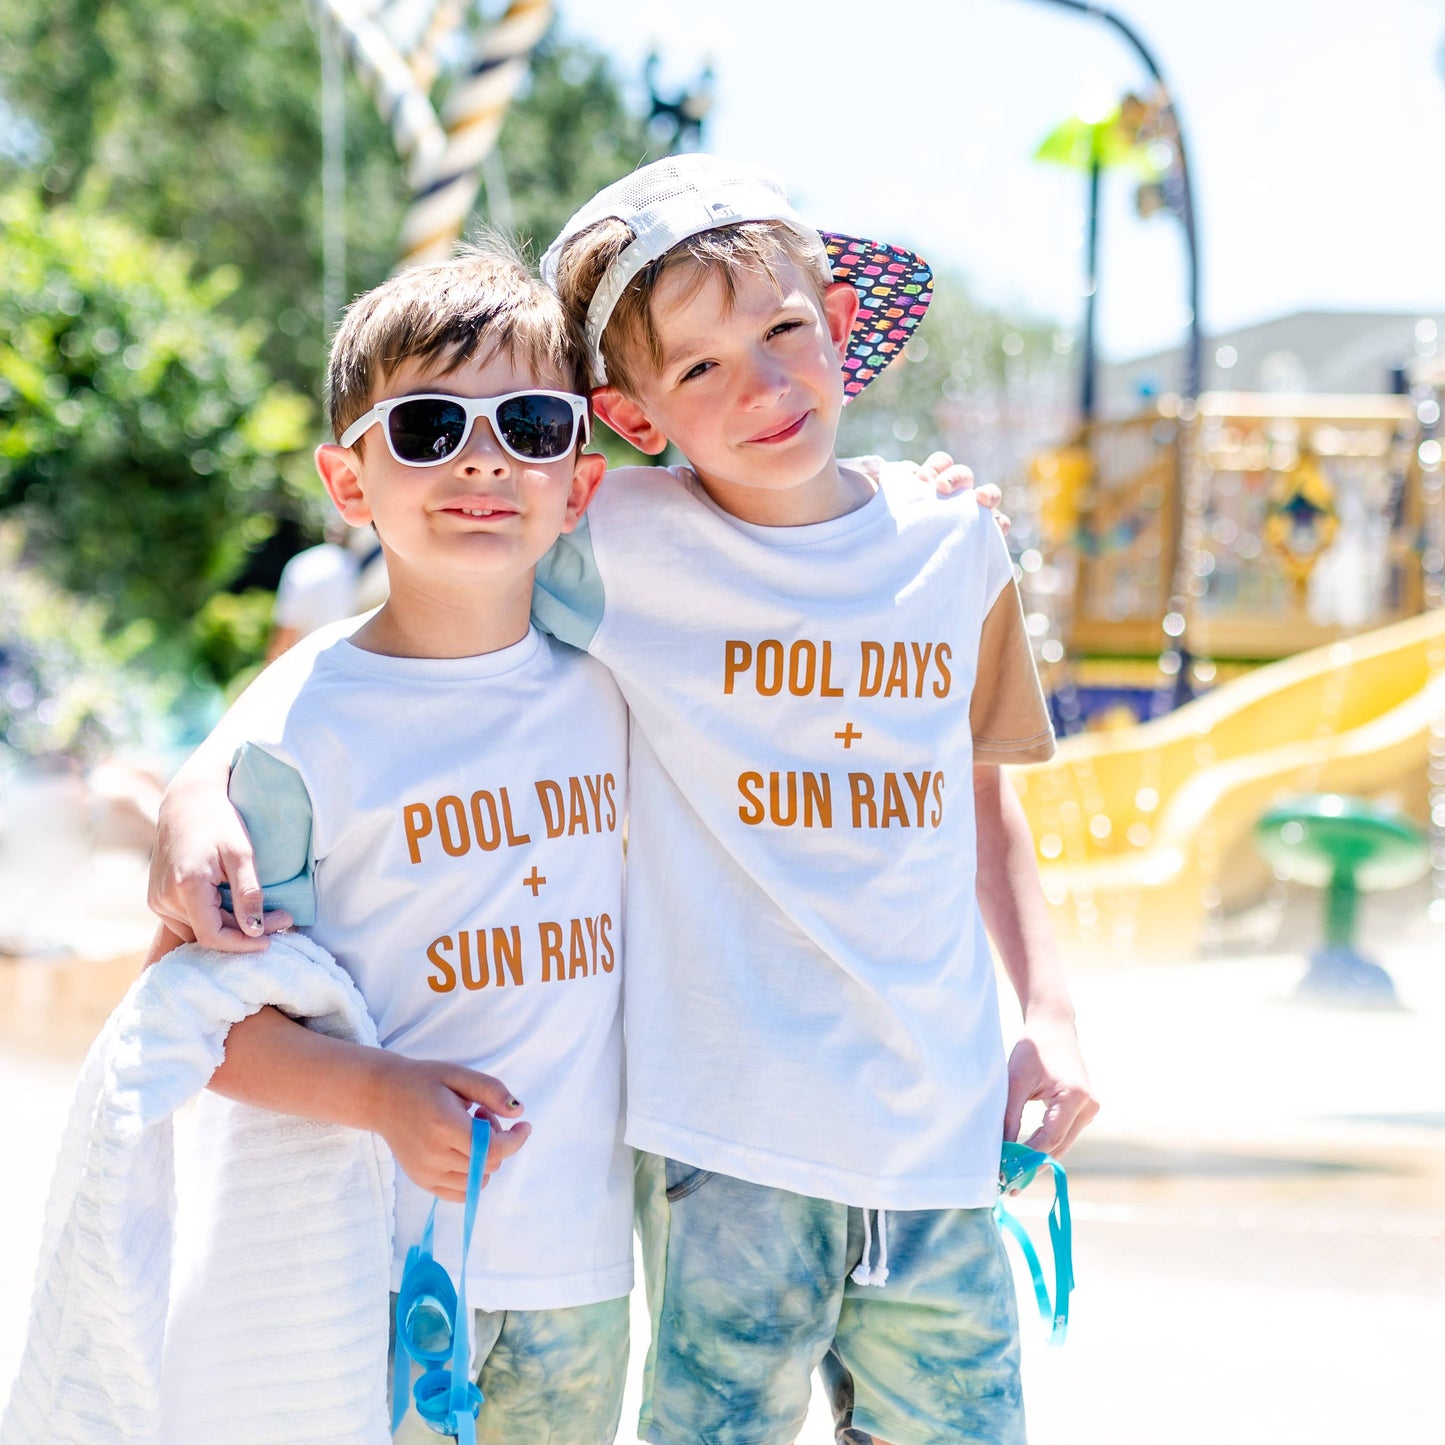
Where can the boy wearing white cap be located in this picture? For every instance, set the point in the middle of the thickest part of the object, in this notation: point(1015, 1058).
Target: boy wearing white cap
point(824, 676)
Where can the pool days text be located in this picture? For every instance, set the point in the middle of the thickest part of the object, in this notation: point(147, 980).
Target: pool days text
point(805, 668)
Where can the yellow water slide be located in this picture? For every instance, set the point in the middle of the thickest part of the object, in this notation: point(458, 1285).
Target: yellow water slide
point(1143, 832)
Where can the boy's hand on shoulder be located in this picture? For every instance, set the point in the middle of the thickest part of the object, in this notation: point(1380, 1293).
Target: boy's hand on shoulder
point(948, 477)
point(1046, 1064)
point(423, 1111)
point(201, 843)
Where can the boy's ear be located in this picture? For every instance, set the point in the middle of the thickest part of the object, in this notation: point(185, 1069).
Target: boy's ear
point(342, 479)
point(585, 481)
point(840, 306)
point(628, 419)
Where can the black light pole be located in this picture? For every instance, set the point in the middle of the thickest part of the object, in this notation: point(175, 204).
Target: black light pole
point(1183, 203)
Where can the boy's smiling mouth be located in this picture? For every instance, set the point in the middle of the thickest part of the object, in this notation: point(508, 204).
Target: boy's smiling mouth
point(480, 509)
point(781, 434)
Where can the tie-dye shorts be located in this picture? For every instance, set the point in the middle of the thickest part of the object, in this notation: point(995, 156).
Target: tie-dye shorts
point(750, 1289)
point(549, 1377)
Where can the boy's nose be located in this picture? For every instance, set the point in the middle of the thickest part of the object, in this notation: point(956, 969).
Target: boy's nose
point(763, 383)
point(483, 452)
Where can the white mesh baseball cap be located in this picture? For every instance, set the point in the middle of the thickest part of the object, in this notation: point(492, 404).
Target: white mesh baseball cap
point(666, 202)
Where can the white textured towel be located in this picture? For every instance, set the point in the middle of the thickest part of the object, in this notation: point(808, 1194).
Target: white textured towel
point(280, 1332)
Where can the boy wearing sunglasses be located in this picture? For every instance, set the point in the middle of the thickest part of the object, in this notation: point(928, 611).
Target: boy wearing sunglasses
point(440, 790)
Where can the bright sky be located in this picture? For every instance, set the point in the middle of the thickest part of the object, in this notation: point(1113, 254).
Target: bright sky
point(1314, 128)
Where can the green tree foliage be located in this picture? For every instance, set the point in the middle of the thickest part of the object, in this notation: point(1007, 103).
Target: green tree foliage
point(64, 687)
point(201, 124)
point(142, 442)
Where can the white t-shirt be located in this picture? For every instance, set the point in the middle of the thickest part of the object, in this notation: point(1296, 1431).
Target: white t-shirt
point(810, 1001)
point(465, 823)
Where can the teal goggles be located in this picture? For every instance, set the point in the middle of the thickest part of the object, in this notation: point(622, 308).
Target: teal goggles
point(1018, 1168)
point(433, 1327)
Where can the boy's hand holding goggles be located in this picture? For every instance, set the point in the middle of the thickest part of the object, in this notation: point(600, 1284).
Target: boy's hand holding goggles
point(432, 1323)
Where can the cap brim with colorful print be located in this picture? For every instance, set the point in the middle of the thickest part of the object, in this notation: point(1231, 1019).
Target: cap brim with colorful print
point(666, 202)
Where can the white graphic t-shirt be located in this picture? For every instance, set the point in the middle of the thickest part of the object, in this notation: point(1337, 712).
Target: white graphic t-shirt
point(457, 832)
point(810, 1000)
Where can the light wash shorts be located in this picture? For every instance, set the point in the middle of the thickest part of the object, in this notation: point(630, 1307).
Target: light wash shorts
point(548, 1377)
point(750, 1290)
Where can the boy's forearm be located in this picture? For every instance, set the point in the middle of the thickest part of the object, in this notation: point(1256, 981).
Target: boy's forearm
point(1011, 898)
point(273, 1062)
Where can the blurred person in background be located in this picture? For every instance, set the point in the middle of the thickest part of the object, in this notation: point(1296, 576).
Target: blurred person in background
point(340, 577)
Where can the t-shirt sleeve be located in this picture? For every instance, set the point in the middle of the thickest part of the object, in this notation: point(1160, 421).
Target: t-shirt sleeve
point(567, 599)
point(1008, 715)
point(273, 801)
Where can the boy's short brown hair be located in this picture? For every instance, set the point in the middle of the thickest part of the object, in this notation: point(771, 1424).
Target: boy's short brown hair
point(481, 301)
point(631, 334)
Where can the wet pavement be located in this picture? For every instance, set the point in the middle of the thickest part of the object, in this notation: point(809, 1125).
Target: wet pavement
point(1259, 1209)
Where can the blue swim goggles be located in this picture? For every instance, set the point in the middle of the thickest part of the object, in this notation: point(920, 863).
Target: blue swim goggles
point(432, 1324)
point(1017, 1170)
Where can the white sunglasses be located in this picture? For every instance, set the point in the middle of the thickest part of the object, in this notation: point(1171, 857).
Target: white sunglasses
point(429, 428)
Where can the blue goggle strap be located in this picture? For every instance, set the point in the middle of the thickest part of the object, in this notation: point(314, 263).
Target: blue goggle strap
point(1018, 1168)
point(463, 1413)
point(464, 1398)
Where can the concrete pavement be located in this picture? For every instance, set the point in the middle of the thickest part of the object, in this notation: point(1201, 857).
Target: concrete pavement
point(1259, 1209)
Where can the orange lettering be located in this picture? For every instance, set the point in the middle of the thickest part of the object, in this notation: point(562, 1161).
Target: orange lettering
point(752, 810)
point(919, 788)
point(474, 970)
point(945, 678)
point(579, 950)
point(452, 819)
point(920, 661)
point(550, 937)
point(737, 657)
point(514, 838)
point(445, 978)
point(549, 795)
point(871, 677)
point(781, 818)
point(827, 689)
point(507, 951)
point(416, 820)
point(817, 800)
point(862, 788)
point(770, 651)
point(898, 673)
point(893, 801)
point(576, 807)
point(604, 929)
point(485, 826)
point(937, 817)
point(800, 683)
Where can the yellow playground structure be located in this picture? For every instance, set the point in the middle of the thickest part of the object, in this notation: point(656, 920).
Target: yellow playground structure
point(1246, 608)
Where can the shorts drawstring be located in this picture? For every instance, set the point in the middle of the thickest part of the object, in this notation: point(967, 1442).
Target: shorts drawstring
point(876, 1273)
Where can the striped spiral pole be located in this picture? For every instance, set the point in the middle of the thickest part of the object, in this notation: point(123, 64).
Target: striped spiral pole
point(442, 199)
point(403, 103)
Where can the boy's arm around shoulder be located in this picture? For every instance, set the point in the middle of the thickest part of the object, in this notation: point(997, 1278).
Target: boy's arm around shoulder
point(420, 1107)
point(201, 840)
point(1046, 1063)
